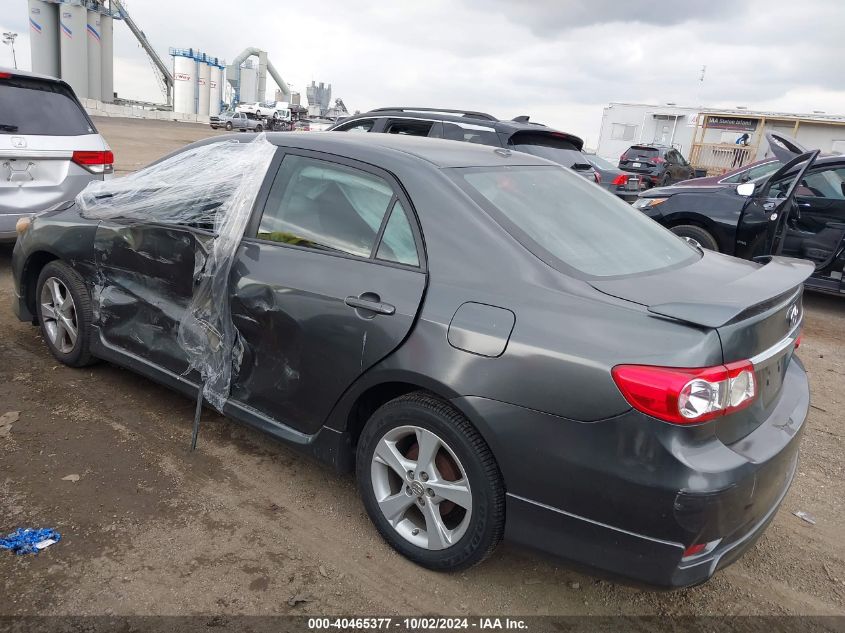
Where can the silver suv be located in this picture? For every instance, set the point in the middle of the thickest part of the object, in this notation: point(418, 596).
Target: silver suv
point(49, 147)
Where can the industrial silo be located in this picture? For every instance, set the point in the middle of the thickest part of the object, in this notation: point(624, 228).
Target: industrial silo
point(185, 82)
point(95, 60)
point(106, 51)
point(203, 86)
point(215, 92)
point(248, 87)
point(73, 22)
point(44, 37)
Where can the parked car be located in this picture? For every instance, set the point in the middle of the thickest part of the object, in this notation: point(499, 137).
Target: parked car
point(232, 120)
point(495, 346)
point(626, 186)
point(801, 202)
point(751, 171)
point(658, 164)
point(475, 127)
point(49, 147)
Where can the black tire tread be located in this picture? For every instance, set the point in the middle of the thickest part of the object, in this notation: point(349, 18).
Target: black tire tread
point(704, 237)
point(466, 558)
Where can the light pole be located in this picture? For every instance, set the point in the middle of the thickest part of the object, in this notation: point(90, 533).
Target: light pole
point(9, 38)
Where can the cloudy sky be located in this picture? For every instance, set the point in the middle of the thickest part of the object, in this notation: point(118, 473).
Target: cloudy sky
point(559, 61)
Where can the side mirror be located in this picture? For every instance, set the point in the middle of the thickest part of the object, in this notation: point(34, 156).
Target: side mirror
point(746, 189)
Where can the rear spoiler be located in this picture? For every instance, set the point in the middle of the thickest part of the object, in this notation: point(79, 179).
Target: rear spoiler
point(778, 277)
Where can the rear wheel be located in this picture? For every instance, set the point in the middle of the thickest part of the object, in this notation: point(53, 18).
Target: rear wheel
point(229, 126)
point(696, 236)
point(65, 314)
point(430, 484)
point(258, 128)
point(666, 180)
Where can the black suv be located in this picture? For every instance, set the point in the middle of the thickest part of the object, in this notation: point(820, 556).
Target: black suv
point(519, 134)
point(658, 164)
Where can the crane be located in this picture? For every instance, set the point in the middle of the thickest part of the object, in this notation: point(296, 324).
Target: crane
point(158, 64)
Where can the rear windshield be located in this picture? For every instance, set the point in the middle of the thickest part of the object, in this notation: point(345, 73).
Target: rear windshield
point(564, 219)
point(599, 162)
point(32, 106)
point(644, 152)
point(551, 148)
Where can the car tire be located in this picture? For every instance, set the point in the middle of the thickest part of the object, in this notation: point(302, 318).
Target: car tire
point(666, 180)
point(229, 127)
point(433, 531)
point(697, 235)
point(258, 129)
point(63, 304)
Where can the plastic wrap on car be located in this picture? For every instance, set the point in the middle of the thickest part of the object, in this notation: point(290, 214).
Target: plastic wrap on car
point(210, 187)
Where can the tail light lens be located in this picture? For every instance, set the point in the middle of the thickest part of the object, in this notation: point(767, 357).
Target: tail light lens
point(687, 396)
point(597, 176)
point(621, 180)
point(95, 162)
point(5, 75)
point(657, 160)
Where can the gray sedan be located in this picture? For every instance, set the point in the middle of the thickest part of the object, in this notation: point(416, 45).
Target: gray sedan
point(494, 346)
point(621, 183)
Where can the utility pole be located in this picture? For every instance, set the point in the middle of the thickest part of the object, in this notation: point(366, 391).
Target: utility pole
point(701, 82)
point(9, 38)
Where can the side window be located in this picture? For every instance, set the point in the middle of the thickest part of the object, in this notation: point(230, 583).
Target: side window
point(408, 127)
point(829, 183)
point(469, 133)
point(361, 125)
point(672, 156)
point(326, 206)
point(397, 242)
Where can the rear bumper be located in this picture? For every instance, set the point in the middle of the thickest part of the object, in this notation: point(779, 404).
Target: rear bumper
point(627, 495)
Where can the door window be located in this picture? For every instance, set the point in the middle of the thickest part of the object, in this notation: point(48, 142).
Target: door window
point(361, 125)
point(409, 127)
point(397, 242)
point(828, 183)
point(326, 206)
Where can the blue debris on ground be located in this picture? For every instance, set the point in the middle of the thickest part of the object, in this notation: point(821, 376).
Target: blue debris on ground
point(29, 541)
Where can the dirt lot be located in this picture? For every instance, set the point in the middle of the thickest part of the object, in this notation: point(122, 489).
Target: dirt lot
point(246, 526)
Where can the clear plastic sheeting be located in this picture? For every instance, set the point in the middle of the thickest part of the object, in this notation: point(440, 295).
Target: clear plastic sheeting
point(211, 187)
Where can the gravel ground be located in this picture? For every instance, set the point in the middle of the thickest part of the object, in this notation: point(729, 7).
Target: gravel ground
point(246, 526)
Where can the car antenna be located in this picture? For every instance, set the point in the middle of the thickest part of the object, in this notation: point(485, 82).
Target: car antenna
point(197, 416)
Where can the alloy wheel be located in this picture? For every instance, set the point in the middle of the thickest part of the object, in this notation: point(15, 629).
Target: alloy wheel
point(58, 315)
point(421, 487)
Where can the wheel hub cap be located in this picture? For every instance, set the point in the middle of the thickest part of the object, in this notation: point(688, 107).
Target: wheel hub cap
point(58, 315)
point(421, 487)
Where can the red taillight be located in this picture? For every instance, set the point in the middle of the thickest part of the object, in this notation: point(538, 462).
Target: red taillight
point(657, 160)
point(798, 341)
point(687, 396)
point(95, 162)
point(597, 176)
point(5, 75)
point(621, 180)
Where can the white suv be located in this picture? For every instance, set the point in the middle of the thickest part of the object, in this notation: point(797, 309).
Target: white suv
point(49, 147)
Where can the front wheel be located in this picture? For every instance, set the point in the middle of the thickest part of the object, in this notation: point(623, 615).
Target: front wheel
point(430, 483)
point(65, 314)
point(696, 236)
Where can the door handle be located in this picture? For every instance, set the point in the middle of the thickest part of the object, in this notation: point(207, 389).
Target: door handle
point(804, 205)
point(379, 307)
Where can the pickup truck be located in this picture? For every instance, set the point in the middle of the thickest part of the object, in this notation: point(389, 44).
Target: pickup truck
point(232, 120)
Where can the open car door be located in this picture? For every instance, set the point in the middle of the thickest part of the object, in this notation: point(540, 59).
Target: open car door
point(765, 215)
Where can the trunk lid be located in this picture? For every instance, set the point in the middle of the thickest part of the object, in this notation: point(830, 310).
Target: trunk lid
point(756, 310)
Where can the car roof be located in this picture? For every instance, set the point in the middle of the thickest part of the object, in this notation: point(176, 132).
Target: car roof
point(469, 117)
point(384, 149)
point(438, 152)
point(31, 75)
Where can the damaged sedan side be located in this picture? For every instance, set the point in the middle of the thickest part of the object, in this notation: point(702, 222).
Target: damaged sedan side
point(481, 335)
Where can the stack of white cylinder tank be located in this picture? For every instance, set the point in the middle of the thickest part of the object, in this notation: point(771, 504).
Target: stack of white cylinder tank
point(198, 82)
point(215, 89)
point(72, 43)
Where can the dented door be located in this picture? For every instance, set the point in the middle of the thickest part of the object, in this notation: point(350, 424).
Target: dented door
point(143, 287)
point(303, 343)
